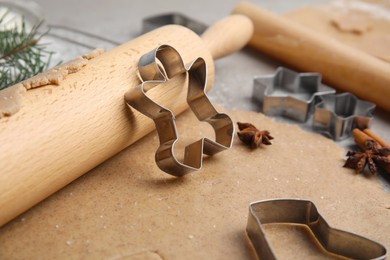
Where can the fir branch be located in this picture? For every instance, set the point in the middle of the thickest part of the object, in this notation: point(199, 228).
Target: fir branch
point(21, 54)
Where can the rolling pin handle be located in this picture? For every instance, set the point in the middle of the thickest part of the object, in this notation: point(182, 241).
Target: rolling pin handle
point(228, 35)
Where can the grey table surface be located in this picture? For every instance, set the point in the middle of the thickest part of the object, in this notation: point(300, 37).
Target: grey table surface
point(121, 20)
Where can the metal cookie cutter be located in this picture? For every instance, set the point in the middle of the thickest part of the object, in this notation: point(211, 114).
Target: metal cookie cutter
point(288, 93)
point(338, 115)
point(153, 22)
point(304, 212)
point(152, 74)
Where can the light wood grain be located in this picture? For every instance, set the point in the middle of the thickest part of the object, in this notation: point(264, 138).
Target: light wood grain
point(342, 67)
point(63, 131)
point(228, 35)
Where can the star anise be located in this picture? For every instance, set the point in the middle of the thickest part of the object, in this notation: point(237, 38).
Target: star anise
point(373, 156)
point(252, 136)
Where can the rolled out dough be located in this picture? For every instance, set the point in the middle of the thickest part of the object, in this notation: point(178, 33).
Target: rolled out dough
point(361, 24)
point(126, 208)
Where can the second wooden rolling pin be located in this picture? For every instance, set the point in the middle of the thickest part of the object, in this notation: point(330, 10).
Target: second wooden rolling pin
point(341, 66)
point(61, 132)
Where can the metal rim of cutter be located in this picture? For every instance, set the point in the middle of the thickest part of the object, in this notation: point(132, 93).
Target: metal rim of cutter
point(156, 21)
point(298, 211)
point(152, 75)
point(333, 115)
point(337, 115)
point(289, 93)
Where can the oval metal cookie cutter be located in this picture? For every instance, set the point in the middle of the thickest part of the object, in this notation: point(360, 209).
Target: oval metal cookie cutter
point(158, 66)
point(304, 212)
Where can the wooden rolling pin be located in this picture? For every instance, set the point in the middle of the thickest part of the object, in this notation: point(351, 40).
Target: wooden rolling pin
point(341, 66)
point(61, 132)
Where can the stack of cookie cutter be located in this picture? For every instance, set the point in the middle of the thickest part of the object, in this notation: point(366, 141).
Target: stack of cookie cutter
point(304, 212)
point(158, 66)
point(289, 94)
point(302, 97)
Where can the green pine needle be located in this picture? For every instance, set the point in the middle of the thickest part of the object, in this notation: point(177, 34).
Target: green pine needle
point(21, 56)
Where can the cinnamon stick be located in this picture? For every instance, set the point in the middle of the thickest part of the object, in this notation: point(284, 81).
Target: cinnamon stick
point(374, 136)
point(361, 138)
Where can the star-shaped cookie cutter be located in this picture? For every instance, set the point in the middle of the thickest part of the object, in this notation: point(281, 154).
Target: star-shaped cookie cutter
point(304, 212)
point(288, 93)
point(338, 115)
point(158, 66)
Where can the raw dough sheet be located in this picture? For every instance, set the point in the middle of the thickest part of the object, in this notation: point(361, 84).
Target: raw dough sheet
point(361, 24)
point(126, 208)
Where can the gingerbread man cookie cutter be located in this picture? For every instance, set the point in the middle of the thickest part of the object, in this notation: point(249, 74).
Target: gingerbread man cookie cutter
point(158, 66)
